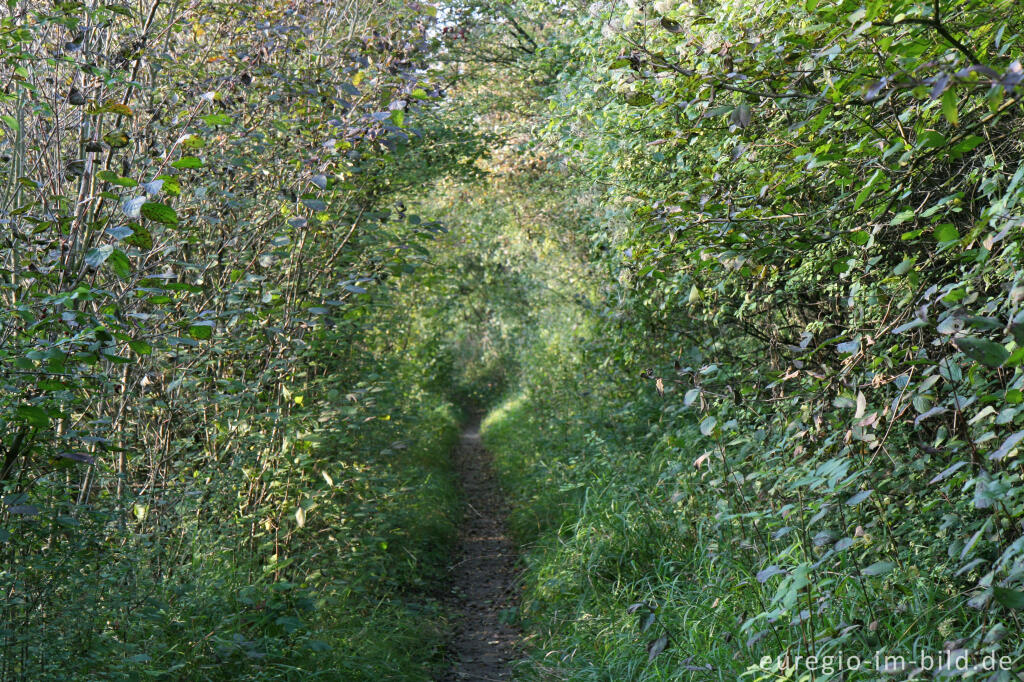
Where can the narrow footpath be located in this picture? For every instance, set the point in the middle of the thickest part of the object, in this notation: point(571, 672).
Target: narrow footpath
point(482, 573)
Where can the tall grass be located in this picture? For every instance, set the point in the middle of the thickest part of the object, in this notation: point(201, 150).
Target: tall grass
point(640, 567)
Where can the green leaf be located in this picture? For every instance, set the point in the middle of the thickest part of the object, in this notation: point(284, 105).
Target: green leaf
point(902, 217)
point(741, 116)
point(201, 331)
point(860, 237)
point(98, 256)
point(193, 142)
point(858, 498)
point(671, 25)
point(318, 645)
point(879, 568)
point(1007, 447)
point(946, 232)
point(52, 385)
point(656, 646)
point(187, 162)
point(140, 347)
point(119, 9)
point(639, 99)
point(955, 295)
point(931, 139)
point(1017, 329)
point(967, 144)
point(114, 178)
point(1011, 599)
point(217, 119)
point(34, 416)
point(718, 111)
point(994, 98)
point(866, 191)
point(988, 353)
point(903, 266)
point(171, 186)
point(120, 264)
point(160, 213)
point(949, 106)
point(707, 427)
point(140, 237)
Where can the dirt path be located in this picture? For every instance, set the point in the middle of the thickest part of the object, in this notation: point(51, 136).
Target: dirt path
point(482, 573)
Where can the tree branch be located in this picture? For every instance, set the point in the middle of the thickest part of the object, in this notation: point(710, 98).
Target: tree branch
point(936, 23)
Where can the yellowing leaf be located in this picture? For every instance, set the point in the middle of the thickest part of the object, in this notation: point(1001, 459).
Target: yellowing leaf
point(113, 107)
point(116, 139)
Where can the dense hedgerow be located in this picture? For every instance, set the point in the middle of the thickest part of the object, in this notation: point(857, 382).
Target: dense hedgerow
point(780, 412)
point(219, 458)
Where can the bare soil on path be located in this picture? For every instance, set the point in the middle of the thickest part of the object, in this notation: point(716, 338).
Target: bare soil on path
point(482, 573)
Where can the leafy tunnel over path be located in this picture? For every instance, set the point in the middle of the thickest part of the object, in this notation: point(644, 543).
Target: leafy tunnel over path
point(738, 282)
